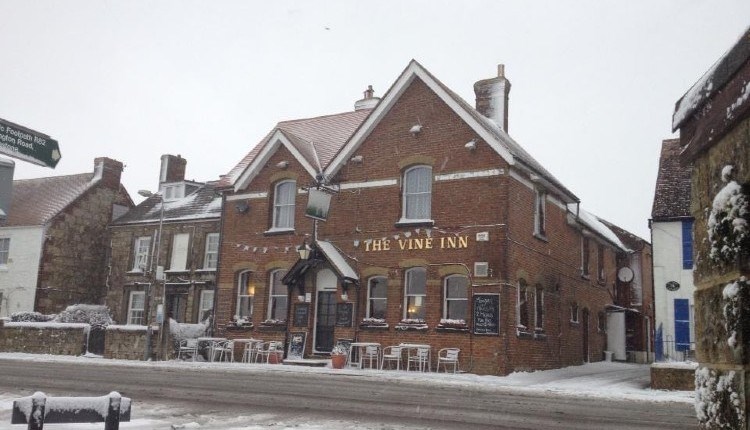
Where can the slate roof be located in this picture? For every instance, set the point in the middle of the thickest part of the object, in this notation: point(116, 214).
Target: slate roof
point(204, 203)
point(630, 240)
point(37, 201)
point(318, 139)
point(672, 196)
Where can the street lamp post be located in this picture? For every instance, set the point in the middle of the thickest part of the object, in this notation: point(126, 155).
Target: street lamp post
point(159, 273)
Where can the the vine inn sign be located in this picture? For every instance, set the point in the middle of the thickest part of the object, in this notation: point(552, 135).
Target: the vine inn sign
point(28, 145)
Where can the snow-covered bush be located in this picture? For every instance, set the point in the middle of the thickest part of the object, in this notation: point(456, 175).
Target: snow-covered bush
point(339, 350)
point(717, 403)
point(180, 331)
point(95, 315)
point(30, 317)
point(728, 231)
point(734, 295)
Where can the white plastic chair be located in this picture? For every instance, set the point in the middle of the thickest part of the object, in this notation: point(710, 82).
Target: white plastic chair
point(391, 354)
point(251, 351)
point(268, 348)
point(371, 353)
point(188, 347)
point(448, 356)
point(421, 359)
point(224, 349)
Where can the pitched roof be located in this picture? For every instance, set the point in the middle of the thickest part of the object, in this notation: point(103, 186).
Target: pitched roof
point(490, 132)
point(672, 195)
point(37, 201)
point(630, 240)
point(712, 81)
point(598, 226)
point(204, 203)
point(316, 139)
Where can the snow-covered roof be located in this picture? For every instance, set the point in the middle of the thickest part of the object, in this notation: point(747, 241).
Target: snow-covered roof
point(712, 81)
point(337, 260)
point(204, 203)
point(593, 223)
point(37, 201)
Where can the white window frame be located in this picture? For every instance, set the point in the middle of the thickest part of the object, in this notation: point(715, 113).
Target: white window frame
point(4, 251)
point(206, 302)
point(539, 308)
point(411, 195)
point(446, 299)
point(418, 297)
point(134, 318)
point(540, 213)
point(179, 252)
point(141, 250)
point(524, 291)
point(211, 254)
point(370, 298)
point(284, 196)
point(243, 283)
point(274, 277)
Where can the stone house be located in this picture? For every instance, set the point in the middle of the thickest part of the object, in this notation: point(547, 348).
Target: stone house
point(672, 237)
point(54, 244)
point(165, 251)
point(439, 229)
point(713, 118)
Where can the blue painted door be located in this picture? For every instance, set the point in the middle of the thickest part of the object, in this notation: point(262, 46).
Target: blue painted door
point(682, 324)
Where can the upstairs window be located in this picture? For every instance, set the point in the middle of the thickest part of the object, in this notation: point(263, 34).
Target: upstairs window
point(245, 295)
point(140, 253)
point(415, 293)
point(4, 250)
point(178, 262)
point(540, 214)
point(277, 303)
point(417, 196)
point(377, 300)
point(600, 264)
point(574, 312)
point(456, 298)
point(283, 205)
point(211, 257)
point(585, 257)
point(687, 244)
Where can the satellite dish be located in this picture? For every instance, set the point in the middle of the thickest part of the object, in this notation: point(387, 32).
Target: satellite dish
point(625, 274)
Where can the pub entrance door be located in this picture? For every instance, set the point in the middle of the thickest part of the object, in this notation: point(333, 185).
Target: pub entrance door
point(325, 313)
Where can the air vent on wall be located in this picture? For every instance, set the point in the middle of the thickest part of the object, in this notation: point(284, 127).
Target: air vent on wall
point(481, 269)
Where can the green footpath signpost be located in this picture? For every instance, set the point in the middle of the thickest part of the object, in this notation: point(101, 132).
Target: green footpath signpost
point(28, 145)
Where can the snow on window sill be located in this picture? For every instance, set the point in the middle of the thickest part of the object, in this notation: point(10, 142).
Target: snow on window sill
point(542, 237)
point(177, 271)
point(408, 222)
point(135, 272)
point(278, 230)
point(206, 270)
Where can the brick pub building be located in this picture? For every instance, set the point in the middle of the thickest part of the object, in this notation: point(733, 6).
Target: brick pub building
point(442, 230)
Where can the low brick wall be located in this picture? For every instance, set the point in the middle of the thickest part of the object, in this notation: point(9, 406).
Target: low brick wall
point(44, 338)
point(128, 342)
point(673, 376)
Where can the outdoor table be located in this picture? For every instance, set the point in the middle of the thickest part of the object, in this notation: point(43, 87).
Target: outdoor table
point(358, 347)
point(411, 349)
point(248, 344)
point(208, 343)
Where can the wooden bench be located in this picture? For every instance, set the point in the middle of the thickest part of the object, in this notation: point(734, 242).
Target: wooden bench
point(38, 409)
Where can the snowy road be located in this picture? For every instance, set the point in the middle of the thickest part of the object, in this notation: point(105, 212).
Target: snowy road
point(216, 396)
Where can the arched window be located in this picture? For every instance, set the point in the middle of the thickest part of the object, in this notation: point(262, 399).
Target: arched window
point(377, 289)
point(523, 311)
point(245, 295)
point(277, 298)
point(455, 297)
point(415, 293)
point(417, 196)
point(283, 205)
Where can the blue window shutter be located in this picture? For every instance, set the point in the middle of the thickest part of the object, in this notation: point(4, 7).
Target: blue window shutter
point(687, 244)
point(682, 324)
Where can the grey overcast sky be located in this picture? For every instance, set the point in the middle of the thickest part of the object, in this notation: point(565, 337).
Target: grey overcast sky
point(593, 82)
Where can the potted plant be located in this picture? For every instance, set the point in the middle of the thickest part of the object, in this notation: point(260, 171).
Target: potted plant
point(338, 357)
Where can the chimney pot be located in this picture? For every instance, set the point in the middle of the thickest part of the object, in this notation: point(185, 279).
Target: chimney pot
point(501, 70)
point(368, 102)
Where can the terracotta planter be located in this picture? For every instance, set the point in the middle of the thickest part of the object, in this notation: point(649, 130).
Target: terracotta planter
point(275, 358)
point(338, 361)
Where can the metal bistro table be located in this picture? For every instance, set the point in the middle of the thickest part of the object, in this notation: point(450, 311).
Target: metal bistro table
point(412, 355)
point(247, 348)
point(360, 348)
point(206, 344)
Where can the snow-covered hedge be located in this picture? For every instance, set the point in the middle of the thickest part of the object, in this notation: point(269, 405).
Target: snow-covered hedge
point(728, 232)
point(717, 402)
point(30, 317)
point(95, 315)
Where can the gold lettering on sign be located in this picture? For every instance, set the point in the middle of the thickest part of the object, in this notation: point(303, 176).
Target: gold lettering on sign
point(411, 244)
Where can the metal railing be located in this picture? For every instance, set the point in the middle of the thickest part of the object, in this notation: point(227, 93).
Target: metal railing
point(671, 350)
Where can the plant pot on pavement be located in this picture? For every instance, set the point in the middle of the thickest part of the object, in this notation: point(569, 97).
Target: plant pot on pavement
point(338, 361)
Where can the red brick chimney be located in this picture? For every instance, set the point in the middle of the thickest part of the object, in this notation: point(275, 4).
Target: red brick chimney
point(172, 169)
point(492, 97)
point(109, 171)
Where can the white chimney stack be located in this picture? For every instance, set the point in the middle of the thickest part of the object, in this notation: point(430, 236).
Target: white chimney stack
point(368, 102)
point(492, 97)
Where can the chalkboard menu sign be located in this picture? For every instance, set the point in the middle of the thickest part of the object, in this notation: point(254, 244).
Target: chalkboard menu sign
point(486, 314)
point(344, 314)
point(301, 313)
point(296, 349)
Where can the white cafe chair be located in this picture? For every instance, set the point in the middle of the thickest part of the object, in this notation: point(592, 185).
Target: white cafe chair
point(448, 356)
point(391, 354)
point(188, 347)
point(225, 350)
point(371, 353)
point(420, 359)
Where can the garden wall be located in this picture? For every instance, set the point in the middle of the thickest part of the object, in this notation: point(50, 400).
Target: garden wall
point(128, 342)
point(673, 376)
point(44, 338)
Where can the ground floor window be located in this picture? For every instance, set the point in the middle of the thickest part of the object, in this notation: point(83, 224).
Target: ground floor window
point(377, 297)
point(206, 305)
point(277, 303)
point(415, 292)
point(456, 301)
point(539, 308)
point(574, 312)
point(245, 296)
point(525, 300)
point(136, 308)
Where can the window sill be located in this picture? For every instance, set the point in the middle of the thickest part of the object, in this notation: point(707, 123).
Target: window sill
point(412, 327)
point(449, 329)
point(135, 272)
point(272, 327)
point(585, 276)
point(205, 270)
point(373, 327)
point(278, 231)
point(238, 328)
point(524, 333)
point(405, 222)
point(541, 237)
point(177, 271)
point(574, 323)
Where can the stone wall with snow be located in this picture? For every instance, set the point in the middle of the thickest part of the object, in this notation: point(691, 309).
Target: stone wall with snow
point(44, 338)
